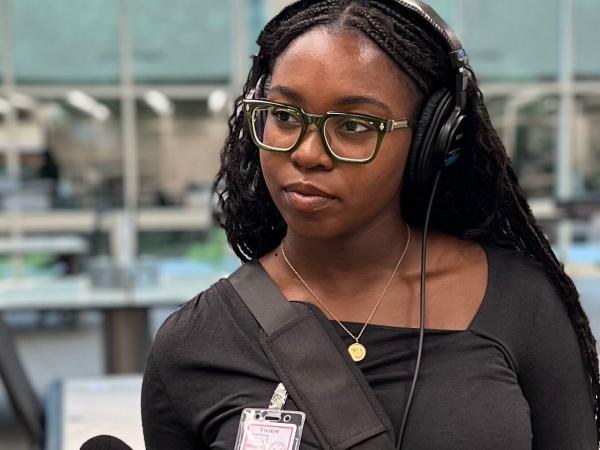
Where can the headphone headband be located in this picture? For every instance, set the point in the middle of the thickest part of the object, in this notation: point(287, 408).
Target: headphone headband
point(458, 55)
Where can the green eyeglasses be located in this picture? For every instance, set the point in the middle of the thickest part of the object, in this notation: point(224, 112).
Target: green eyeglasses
point(350, 138)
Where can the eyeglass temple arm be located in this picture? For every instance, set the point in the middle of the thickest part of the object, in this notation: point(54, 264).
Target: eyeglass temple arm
point(396, 125)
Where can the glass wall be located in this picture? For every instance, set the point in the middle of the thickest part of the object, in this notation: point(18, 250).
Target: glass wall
point(69, 45)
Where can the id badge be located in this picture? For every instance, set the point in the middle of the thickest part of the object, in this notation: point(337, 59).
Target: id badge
point(265, 429)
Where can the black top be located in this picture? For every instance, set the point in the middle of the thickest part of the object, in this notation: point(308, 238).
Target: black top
point(514, 379)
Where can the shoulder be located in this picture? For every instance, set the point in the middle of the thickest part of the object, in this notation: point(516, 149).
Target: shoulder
point(214, 315)
point(190, 314)
point(527, 294)
point(502, 280)
point(521, 303)
point(513, 262)
point(516, 277)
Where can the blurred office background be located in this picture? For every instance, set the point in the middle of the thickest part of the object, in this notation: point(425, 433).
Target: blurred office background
point(112, 115)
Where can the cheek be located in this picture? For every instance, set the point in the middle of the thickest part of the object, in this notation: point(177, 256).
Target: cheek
point(375, 189)
point(382, 179)
point(270, 165)
point(266, 166)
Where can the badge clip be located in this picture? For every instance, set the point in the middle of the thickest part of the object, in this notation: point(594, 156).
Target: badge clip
point(271, 429)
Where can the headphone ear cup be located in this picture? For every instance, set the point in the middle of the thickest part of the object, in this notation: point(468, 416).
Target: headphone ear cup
point(426, 156)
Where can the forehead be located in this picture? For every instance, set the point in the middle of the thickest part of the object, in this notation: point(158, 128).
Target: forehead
point(334, 62)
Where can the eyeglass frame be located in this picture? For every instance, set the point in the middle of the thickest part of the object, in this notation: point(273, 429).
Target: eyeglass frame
point(383, 126)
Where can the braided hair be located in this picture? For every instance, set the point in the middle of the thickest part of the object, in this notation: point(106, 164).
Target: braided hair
point(480, 194)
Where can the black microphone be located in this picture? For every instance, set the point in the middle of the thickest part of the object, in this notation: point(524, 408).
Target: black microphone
point(105, 442)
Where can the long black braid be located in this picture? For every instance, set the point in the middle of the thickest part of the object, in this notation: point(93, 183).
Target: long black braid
point(480, 197)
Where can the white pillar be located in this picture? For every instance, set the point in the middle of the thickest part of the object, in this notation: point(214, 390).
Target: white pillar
point(459, 18)
point(564, 188)
point(128, 130)
point(564, 185)
point(240, 56)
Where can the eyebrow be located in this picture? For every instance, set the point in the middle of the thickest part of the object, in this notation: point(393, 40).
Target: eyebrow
point(287, 91)
point(352, 100)
point(362, 100)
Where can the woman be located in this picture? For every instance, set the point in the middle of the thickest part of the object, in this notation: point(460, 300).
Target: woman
point(334, 210)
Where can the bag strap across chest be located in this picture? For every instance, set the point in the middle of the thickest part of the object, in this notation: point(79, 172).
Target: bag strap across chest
point(340, 407)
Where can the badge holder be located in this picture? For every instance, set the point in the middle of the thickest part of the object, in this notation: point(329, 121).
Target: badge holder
point(272, 428)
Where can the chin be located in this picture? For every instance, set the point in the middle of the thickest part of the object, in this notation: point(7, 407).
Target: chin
point(315, 229)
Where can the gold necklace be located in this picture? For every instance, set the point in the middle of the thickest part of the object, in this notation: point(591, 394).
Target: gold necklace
point(357, 350)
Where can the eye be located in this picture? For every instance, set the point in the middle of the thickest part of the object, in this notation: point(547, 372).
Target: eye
point(352, 126)
point(284, 116)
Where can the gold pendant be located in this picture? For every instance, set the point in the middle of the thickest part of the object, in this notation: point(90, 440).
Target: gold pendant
point(357, 352)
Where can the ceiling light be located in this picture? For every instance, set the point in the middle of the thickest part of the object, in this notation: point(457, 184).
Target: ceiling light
point(217, 100)
point(89, 105)
point(159, 102)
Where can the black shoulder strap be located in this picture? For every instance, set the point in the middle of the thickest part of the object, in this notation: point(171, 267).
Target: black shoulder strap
point(340, 409)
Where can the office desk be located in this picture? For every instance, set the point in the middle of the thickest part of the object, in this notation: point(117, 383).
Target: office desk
point(50, 245)
point(79, 409)
point(125, 311)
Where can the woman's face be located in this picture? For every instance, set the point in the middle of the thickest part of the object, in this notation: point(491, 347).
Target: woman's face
point(322, 71)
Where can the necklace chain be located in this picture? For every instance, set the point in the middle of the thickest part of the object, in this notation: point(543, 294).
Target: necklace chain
point(374, 310)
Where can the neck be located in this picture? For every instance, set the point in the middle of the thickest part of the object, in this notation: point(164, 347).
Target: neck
point(371, 251)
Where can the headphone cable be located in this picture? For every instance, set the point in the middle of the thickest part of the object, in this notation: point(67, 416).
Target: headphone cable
point(422, 310)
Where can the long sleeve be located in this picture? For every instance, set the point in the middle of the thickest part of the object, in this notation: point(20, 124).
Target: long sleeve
point(163, 428)
point(554, 380)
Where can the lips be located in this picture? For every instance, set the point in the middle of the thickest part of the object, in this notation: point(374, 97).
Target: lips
point(306, 197)
point(307, 189)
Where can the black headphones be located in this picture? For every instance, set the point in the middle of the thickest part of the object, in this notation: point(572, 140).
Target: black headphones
point(439, 135)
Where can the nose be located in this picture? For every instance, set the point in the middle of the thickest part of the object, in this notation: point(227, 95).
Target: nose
point(311, 153)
